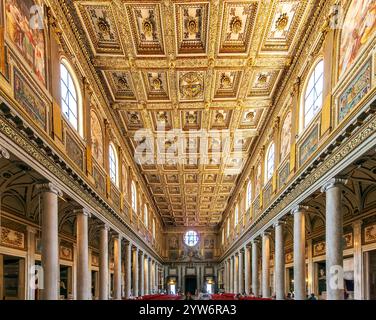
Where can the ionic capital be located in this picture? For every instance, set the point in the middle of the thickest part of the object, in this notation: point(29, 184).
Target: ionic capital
point(279, 223)
point(333, 183)
point(49, 187)
point(4, 153)
point(299, 209)
point(83, 211)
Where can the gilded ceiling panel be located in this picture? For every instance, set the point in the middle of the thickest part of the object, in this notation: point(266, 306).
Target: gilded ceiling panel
point(206, 69)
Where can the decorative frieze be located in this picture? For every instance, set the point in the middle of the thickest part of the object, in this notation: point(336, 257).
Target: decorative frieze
point(12, 238)
point(369, 234)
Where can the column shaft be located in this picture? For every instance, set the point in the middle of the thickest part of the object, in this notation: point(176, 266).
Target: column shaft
point(83, 274)
point(232, 271)
point(135, 272)
point(241, 273)
point(117, 267)
point(299, 253)
point(255, 278)
point(142, 274)
point(279, 262)
point(50, 242)
point(247, 271)
point(103, 263)
point(236, 274)
point(334, 238)
point(128, 264)
point(265, 266)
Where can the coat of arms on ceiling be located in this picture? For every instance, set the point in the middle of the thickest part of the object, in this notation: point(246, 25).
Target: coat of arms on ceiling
point(191, 85)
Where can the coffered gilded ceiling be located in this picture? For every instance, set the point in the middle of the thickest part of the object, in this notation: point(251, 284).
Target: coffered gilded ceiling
point(192, 65)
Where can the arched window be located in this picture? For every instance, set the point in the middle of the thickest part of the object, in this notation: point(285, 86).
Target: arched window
point(223, 236)
point(113, 164)
point(134, 197)
point(146, 220)
point(228, 227)
point(236, 215)
point(313, 94)
point(269, 165)
point(249, 195)
point(70, 97)
point(153, 228)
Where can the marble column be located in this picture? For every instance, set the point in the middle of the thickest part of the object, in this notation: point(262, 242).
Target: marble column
point(241, 272)
point(226, 286)
point(310, 269)
point(147, 278)
point(358, 272)
point(266, 265)
point(117, 267)
point(334, 239)
point(50, 242)
point(142, 273)
point(135, 272)
point(153, 275)
point(232, 272)
point(279, 261)
point(247, 270)
point(103, 263)
point(299, 252)
point(83, 273)
point(128, 271)
point(236, 273)
point(32, 269)
point(255, 278)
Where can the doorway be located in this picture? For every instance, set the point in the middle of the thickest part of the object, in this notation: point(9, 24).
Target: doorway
point(66, 282)
point(190, 284)
point(12, 277)
point(370, 274)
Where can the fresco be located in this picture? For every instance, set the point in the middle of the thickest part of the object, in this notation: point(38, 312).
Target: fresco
point(258, 179)
point(29, 100)
point(357, 89)
point(286, 136)
point(358, 27)
point(97, 138)
point(309, 145)
point(24, 30)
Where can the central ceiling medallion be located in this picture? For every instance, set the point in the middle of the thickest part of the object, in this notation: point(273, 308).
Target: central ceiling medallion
point(191, 85)
point(282, 22)
point(236, 24)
